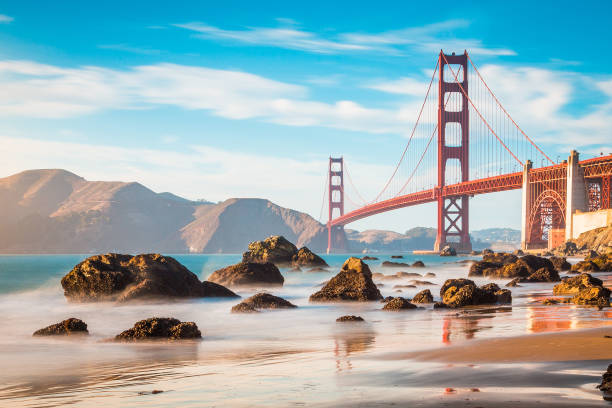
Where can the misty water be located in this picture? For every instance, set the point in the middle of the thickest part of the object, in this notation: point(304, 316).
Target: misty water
point(298, 357)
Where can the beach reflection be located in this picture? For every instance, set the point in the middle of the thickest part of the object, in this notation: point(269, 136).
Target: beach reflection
point(349, 341)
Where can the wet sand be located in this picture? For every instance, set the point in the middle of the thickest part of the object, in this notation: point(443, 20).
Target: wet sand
point(577, 345)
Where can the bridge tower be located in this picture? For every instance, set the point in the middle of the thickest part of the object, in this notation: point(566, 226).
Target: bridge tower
point(336, 239)
point(453, 212)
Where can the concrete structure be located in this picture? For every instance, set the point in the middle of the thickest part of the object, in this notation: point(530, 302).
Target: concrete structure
point(525, 204)
point(586, 221)
point(576, 199)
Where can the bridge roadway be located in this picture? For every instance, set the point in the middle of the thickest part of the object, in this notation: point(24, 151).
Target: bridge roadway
point(512, 181)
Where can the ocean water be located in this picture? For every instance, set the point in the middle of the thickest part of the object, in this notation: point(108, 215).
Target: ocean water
point(298, 357)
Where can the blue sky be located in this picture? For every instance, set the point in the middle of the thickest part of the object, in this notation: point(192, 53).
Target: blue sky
point(240, 99)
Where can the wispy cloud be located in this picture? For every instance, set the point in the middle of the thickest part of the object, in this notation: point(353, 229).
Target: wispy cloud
point(283, 37)
point(4, 19)
point(40, 90)
point(426, 38)
point(129, 48)
point(537, 98)
point(220, 173)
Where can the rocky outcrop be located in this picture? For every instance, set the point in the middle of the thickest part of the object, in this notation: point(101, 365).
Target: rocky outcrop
point(606, 381)
point(160, 328)
point(423, 296)
point(125, 277)
point(560, 263)
point(594, 263)
point(544, 275)
point(397, 256)
point(369, 258)
point(262, 301)
point(573, 285)
point(391, 264)
point(464, 292)
point(398, 303)
point(448, 251)
point(305, 256)
point(599, 240)
point(278, 250)
point(418, 264)
point(354, 282)
point(69, 326)
point(596, 295)
point(499, 257)
point(349, 318)
point(504, 266)
point(275, 249)
point(248, 274)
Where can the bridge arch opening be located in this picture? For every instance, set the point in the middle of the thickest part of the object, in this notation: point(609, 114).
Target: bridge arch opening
point(547, 217)
point(448, 72)
point(453, 134)
point(453, 102)
point(452, 173)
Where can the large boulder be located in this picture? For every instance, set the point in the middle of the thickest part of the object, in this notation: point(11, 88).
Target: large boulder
point(568, 248)
point(278, 250)
point(499, 257)
point(248, 274)
point(160, 328)
point(573, 285)
point(448, 251)
point(584, 266)
point(423, 296)
point(354, 282)
point(399, 303)
point(479, 268)
point(606, 381)
point(464, 292)
point(391, 264)
point(69, 326)
point(126, 277)
point(595, 263)
point(560, 263)
point(262, 301)
point(544, 275)
point(596, 295)
point(503, 266)
point(305, 256)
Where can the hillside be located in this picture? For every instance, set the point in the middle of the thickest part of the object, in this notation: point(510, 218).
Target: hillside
point(54, 211)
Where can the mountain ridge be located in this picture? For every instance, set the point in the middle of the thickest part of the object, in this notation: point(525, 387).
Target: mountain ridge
point(56, 211)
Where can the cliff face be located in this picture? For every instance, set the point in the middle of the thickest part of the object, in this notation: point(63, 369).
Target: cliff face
point(599, 239)
point(57, 211)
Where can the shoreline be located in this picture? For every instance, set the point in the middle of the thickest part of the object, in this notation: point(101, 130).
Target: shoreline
point(574, 345)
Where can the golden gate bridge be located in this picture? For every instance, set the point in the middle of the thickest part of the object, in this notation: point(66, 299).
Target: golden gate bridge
point(465, 143)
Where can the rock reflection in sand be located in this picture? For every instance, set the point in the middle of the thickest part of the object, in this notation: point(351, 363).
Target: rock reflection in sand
point(351, 340)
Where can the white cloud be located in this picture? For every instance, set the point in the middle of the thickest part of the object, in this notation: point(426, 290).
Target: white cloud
point(284, 37)
point(198, 172)
point(4, 19)
point(427, 39)
point(539, 100)
point(38, 90)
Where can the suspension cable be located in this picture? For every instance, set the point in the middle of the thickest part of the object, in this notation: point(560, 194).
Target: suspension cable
point(506, 112)
point(477, 111)
point(411, 134)
point(348, 175)
point(325, 187)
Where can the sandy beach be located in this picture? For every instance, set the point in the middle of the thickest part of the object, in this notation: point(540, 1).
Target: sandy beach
point(580, 345)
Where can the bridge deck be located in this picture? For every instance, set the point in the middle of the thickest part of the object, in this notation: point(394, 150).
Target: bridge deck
point(512, 181)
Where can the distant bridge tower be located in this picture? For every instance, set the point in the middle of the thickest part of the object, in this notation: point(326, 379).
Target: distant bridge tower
point(336, 238)
point(453, 212)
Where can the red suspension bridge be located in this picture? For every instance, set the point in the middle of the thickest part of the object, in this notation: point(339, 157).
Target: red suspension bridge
point(464, 143)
